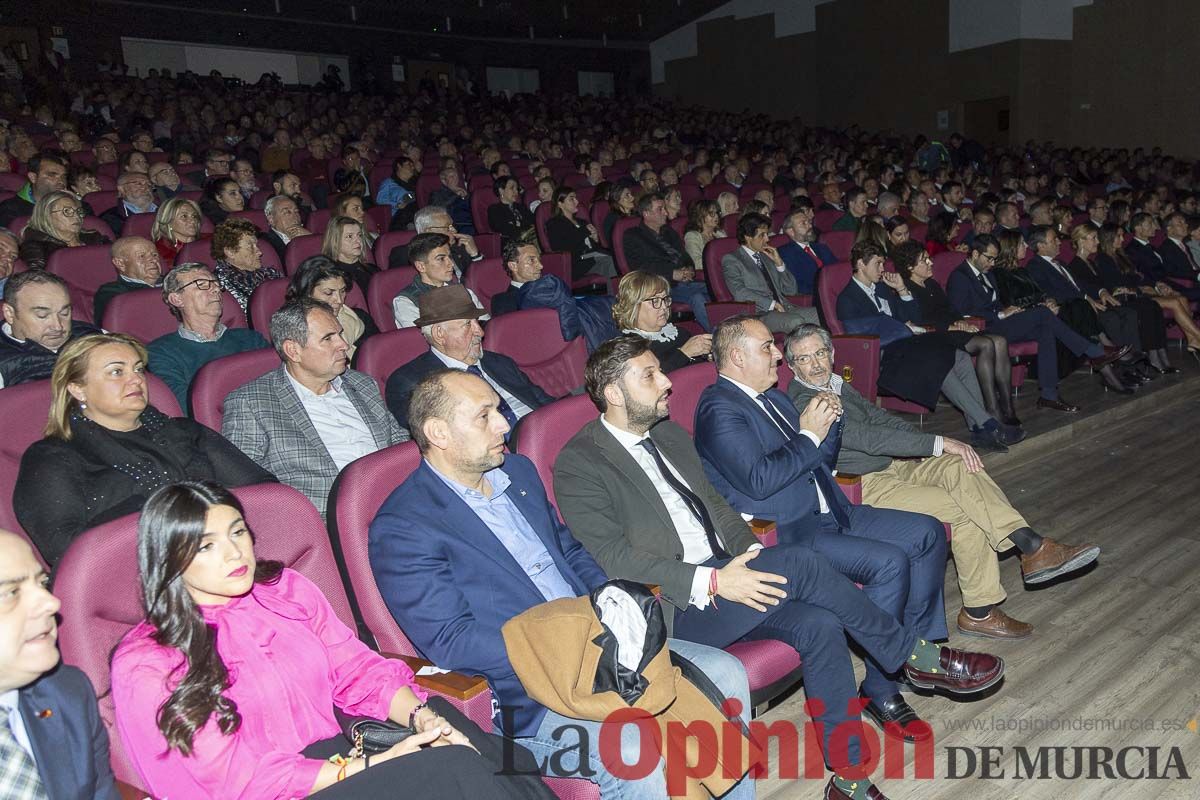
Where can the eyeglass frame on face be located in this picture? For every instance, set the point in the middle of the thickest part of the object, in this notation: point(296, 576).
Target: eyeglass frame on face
point(804, 359)
point(210, 281)
point(658, 301)
point(70, 211)
point(447, 227)
point(988, 257)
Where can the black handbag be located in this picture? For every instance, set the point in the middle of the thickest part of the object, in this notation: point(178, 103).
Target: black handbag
point(370, 736)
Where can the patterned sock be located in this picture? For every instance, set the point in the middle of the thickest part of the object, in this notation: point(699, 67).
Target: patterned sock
point(856, 790)
point(925, 656)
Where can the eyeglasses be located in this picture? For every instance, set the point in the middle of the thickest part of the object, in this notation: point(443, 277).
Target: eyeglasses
point(988, 256)
point(203, 284)
point(807, 358)
point(448, 228)
point(658, 301)
point(70, 211)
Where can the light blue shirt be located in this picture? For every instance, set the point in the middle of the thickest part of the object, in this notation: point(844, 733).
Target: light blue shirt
point(10, 703)
point(506, 522)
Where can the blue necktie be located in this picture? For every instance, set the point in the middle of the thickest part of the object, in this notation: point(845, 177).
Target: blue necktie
point(504, 408)
point(820, 474)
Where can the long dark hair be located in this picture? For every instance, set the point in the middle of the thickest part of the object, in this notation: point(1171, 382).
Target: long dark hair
point(169, 535)
point(312, 271)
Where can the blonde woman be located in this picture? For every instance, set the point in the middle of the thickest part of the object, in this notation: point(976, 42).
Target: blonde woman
point(176, 224)
point(57, 222)
point(344, 244)
point(643, 308)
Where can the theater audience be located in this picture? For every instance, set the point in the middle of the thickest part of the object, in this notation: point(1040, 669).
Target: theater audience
point(440, 549)
point(135, 195)
point(643, 308)
point(37, 325)
point(57, 222)
point(452, 197)
point(45, 173)
point(431, 257)
point(41, 760)
point(273, 418)
point(193, 296)
point(221, 198)
point(204, 711)
point(320, 278)
point(449, 323)
point(82, 181)
point(344, 244)
point(703, 225)
point(655, 247)
point(434, 219)
point(509, 217)
point(239, 260)
point(349, 205)
point(107, 448)
point(284, 224)
point(905, 469)
point(567, 233)
point(176, 224)
point(166, 182)
point(138, 266)
point(755, 273)
point(803, 254)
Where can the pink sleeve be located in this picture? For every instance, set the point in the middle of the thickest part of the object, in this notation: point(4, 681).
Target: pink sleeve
point(221, 767)
point(364, 682)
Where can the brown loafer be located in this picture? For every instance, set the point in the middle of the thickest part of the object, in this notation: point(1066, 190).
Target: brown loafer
point(1053, 559)
point(1057, 405)
point(996, 625)
point(834, 793)
point(959, 672)
point(1109, 356)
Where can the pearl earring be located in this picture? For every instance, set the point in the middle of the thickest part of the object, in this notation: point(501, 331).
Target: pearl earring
point(82, 404)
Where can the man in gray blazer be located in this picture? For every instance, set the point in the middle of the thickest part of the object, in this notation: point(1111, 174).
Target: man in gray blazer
point(906, 469)
point(312, 416)
point(755, 273)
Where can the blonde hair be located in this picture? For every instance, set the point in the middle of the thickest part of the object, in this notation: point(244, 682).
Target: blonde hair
point(40, 221)
point(165, 218)
point(71, 367)
point(633, 289)
point(331, 244)
point(1082, 230)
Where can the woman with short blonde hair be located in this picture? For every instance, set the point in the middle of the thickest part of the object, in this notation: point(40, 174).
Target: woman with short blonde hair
point(643, 307)
point(345, 243)
point(177, 223)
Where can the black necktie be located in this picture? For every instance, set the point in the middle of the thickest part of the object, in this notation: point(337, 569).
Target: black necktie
point(987, 285)
point(504, 408)
point(822, 477)
point(766, 273)
point(690, 498)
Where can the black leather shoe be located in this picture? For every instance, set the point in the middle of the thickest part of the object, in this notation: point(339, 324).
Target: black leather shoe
point(988, 441)
point(896, 718)
point(1011, 434)
point(1057, 405)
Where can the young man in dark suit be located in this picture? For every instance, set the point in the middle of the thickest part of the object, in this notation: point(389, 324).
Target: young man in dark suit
point(52, 742)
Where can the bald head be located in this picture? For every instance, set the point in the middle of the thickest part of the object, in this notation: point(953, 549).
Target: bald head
point(28, 631)
point(136, 258)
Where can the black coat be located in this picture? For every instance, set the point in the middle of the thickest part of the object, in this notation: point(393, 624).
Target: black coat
point(659, 254)
point(514, 223)
point(36, 247)
point(564, 236)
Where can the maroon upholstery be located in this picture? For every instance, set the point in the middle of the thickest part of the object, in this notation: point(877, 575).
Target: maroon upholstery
point(85, 269)
point(533, 338)
point(380, 355)
point(286, 526)
point(618, 243)
point(318, 220)
point(600, 209)
point(729, 224)
point(101, 201)
point(831, 279)
point(387, 241)
point(24, 409)
point(199, 251)
point(382, 289)
point(945, 263)
point(714, 251)
point(96, 224)
point(686, 385)
point(541, 215)
point(144, 315)
point(254, 215)
point(269, 296)
point(487, 278)
point(823, 220)
point(856, 359)
point(719, 312)
point(560, 264)
point(298, 249)
point(542, 433)
point(139, 225)
point(12, 181)
point(489, 244)
point(481, 200)
point(216, 379)
point(839, 243)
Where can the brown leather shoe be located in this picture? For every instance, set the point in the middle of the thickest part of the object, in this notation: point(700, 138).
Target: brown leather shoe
point(960, 672)
point(996, 625)
point(834, 793)
point(1109, 356)
point(1053, 559)
point(1057, 405)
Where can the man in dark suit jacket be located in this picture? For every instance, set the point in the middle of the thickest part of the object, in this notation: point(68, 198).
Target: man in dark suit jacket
point(53, 744)
point(973, 293)
point(1173, 251)
point(655, 247)
point(633, 489)
point(283, 217)
point(756, 273)
point(803, 255)
point(470, 541)
point(138, 265)
point(456, 341)
point(135, 195)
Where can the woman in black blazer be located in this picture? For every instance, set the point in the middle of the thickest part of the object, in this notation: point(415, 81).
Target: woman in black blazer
point(510, 218)
point(567, 234)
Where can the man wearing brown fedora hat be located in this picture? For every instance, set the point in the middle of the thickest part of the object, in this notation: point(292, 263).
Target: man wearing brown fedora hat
point(449, 321)
point(431, 257)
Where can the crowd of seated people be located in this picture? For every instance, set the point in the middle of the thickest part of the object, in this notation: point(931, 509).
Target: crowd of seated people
point(1092, 254)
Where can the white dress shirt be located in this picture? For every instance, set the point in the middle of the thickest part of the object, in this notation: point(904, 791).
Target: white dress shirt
point(338, 423)
point(518, 408)
point(286, 239)
point(690, 530)
point(405, 311)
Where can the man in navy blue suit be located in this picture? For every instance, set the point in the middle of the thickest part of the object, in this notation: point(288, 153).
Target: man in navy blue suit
point(803, 255)
point(470, 541)
point(771, 461)
point(52, 742)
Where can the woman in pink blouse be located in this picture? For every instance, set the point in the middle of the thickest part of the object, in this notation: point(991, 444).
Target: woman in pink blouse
point(228, 688)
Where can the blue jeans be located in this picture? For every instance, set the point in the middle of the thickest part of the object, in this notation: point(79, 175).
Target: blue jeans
point(695, 294)
point(560, 735)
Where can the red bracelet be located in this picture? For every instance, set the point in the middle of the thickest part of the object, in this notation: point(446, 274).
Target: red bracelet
point(712, 587)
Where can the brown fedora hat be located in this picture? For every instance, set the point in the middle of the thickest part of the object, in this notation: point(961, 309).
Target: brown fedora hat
point(446, 303)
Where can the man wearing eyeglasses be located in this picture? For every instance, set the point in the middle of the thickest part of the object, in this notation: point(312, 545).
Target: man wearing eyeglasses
point(435, 219)
point(906, 469)
point(193, 296)
point(166, 182)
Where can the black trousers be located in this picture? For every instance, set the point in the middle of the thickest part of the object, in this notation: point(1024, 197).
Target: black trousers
point(1151, 326)
point(446, 773)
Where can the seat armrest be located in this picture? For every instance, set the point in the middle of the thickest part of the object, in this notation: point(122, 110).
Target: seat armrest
point(802, 300)
point(765, 531)
point(455, 685)
point(852, 486)
point(128, 791)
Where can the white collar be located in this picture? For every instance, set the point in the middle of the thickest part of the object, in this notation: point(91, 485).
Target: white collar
point(978, 274)
point(518, 284)
point(452, 362)
point(668, 333)
point(752, 394)
point(627, 439)
point(335, 387)
point(868, 289)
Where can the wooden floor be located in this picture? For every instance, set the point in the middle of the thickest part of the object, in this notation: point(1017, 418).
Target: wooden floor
point(1113, 648)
